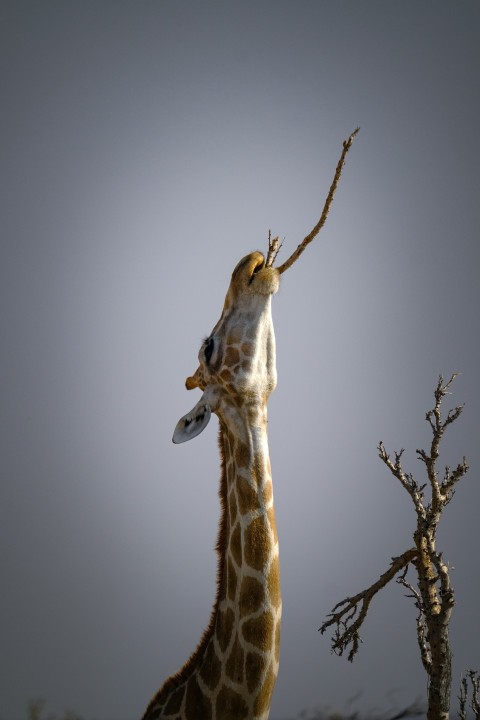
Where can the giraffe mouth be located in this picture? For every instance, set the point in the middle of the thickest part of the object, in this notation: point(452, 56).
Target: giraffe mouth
point(253, 277)
point(262, 280)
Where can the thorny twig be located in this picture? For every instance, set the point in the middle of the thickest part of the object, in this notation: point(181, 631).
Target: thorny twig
point(272, 251)
point(274, 246)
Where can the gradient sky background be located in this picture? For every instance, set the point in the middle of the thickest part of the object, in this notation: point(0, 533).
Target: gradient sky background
point(146, 147)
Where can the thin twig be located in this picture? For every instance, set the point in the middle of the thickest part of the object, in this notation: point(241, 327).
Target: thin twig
point(407, 480)
point(425, 653)
point(475, 680)
point(274, 246)
point(308, 239)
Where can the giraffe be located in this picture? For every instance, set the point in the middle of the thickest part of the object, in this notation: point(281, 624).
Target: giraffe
point(231, 675)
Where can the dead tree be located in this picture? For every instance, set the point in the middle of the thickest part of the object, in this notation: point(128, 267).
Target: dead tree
point(433, 594)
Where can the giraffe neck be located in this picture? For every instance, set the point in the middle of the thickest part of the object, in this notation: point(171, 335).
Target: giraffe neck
point(232, 673)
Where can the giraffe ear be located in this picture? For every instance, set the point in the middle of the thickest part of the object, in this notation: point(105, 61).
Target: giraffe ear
point(192, 424)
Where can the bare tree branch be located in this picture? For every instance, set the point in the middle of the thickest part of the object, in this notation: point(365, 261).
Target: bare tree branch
point(425, 653)
point(326, 208)
point(350, 617)
point(407, 480)
point(475, 681)
point(462, 699)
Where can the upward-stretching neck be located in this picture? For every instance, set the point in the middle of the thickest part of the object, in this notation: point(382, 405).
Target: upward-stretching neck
point(232, 673)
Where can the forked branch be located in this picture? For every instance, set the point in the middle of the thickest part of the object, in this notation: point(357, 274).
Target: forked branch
point(273, 244)
point(348, 617)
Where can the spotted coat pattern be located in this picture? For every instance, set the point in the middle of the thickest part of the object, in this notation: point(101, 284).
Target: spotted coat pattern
point(232, 673)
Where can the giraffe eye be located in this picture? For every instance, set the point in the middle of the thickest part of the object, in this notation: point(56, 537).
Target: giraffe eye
point(208, 350)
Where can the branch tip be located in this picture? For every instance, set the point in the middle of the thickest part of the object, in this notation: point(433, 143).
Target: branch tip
point(326, 208)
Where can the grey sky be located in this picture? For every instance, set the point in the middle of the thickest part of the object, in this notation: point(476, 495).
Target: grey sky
point(146, 147)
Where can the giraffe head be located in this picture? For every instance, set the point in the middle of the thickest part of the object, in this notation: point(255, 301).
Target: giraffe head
point(237, 369)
